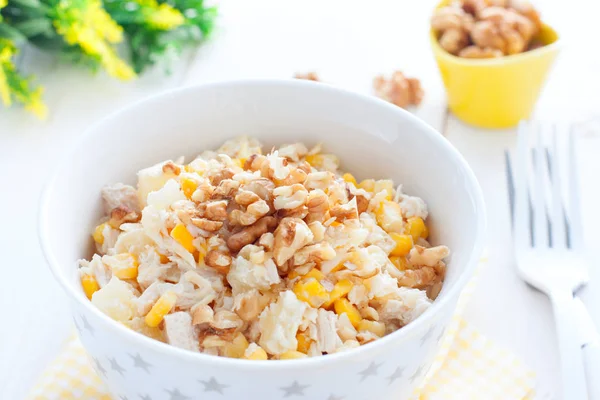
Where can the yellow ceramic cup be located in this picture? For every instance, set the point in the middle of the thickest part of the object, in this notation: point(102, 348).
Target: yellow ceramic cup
point(496, 92)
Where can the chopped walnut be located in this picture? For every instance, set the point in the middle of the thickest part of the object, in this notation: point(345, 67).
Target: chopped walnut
point(454, 40)
point(318, 206)
point(291, 235)
point(225, 189)
point(290, 197)
point(421, 256)
point(170, 168)
point(267, 241)
point(219, 260)
point(418, 278)
point(203, 192)
point(263, 188)
point(246, 197)
point(202, 314)
point(478, 52)
point(253, 213)
point(314, 253)
point(214, 210)
point(398, 89)
point(249, 234)
point(346, 211)
point(307, 76)
point(121, 215)
point(452, 18)
point(207, 224)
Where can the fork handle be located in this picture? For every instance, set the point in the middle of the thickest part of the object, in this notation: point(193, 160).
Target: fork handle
point(591, 354)
point(571, 355)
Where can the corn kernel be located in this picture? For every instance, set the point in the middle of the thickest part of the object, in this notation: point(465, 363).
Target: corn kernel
point(188, 186)
point(384, 184)
point(237, 347)
point(90, 285)
point(163, 258)
point(162, 307)
point(367, 184)
point(315, 160)
point(425, 233)
point(98, 235)
point(240, 162)
point(258, 354)
point(415, 226)
point(311, 292)
point(389, 216)
point(335, 224)
point(183, 237)
point(304, 342)
point(315, 273)
point(350, 178)
point(340, 289)
point(344, 306)
point(123, 266)
point(292, 355)
point(399, 262)
point(374, 327)
point(403, 244)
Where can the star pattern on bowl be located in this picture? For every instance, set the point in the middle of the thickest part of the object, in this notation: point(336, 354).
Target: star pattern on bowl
point(378, 372)
point(139, 362)
point(425, 338)
point(441, 335)
point(397, 374)
point(86, 325)
point(99, 368)
point(175, 394)
point(295, 389)
point(114, 365)
point(371, 370)
point(212, 385)
point(416, 374)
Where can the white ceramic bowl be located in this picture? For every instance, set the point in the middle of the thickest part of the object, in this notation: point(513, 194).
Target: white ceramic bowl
point(373, 139)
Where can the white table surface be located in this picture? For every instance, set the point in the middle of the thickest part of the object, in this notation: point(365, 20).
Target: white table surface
point(347, 42)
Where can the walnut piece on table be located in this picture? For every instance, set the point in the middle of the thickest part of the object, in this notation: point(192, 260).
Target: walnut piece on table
point(307, 76)
point(398, 89)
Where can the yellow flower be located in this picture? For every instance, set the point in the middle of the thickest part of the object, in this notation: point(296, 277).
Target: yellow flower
point(93, 29)
point(6, 53)
point(3, 3)
point(165, 18)
point(14, 87)
point(4, 88)
point(35, 104)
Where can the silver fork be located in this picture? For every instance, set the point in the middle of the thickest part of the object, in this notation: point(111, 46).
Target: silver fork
point(548, 241)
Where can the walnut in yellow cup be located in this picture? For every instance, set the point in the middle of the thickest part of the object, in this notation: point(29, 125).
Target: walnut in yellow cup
point(494, 92)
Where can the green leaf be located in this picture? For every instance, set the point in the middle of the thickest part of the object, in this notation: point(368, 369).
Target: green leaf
point(27, 3)
point(35, 27)
point(11, 33)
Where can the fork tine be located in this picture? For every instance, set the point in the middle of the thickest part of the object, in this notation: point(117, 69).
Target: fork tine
point(540, 230)
point(510, 182)
point(522, 233)
point(575, 226)
point(557, 216)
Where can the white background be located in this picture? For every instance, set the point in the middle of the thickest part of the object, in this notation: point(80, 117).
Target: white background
point(347, 42)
